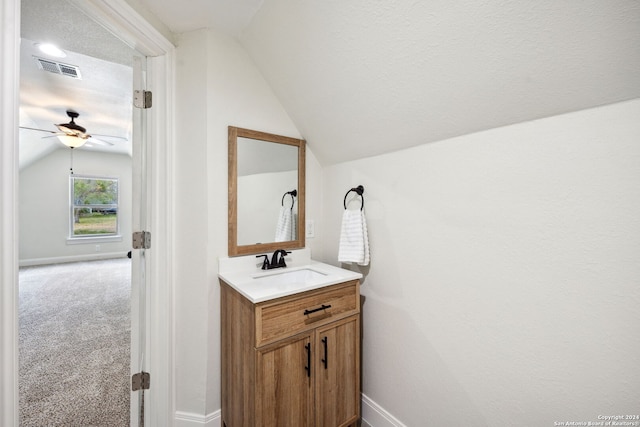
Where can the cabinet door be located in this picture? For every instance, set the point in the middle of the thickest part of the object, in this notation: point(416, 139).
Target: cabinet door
point(338, 373)
point(284, 392)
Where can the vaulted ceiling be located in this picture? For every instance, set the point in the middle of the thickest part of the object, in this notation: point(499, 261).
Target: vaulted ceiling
point(363, 77)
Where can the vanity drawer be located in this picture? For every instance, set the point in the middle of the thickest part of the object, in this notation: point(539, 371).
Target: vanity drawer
point(290, 315)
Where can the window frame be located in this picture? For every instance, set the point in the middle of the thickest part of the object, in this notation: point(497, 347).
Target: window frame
point(90, 238)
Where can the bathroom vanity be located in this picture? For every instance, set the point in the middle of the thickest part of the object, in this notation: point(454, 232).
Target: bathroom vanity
point(290, 345)
point(290, 335)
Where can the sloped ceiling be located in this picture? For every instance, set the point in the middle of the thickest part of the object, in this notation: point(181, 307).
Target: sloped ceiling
point(364, 77)
point(227, 16)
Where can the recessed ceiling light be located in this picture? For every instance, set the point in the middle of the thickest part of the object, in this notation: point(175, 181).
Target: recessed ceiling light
point(51, 50)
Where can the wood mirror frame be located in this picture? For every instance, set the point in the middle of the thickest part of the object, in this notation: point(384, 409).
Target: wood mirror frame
point(234, 248)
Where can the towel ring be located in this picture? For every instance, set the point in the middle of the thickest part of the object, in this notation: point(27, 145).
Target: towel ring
point(360, 190)
point(293, 194)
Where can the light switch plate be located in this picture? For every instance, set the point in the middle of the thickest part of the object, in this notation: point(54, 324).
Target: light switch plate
point(310, 230)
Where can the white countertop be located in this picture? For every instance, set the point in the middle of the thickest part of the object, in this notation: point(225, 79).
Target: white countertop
point(245, 276)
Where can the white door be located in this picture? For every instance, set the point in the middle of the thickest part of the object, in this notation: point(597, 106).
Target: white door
point(139, 277)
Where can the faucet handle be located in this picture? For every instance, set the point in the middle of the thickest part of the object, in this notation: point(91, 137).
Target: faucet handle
point(265, 262)
point(283, 254)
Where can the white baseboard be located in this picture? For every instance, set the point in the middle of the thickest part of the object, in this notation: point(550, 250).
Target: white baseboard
point(187, 419)
point(373, 415)
point(73, 258)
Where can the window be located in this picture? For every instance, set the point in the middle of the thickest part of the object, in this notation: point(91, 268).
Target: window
point(94, 207)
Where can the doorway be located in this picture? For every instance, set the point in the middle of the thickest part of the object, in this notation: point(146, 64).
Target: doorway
point(73, 321)
point(120, 19)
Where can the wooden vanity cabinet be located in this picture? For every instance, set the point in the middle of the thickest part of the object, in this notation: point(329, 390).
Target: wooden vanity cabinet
point(284, 393)
point(338, 373)
point(293, 361)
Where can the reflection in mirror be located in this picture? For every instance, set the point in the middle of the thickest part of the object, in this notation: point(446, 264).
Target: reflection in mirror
point(266, 173)
point(266, 192)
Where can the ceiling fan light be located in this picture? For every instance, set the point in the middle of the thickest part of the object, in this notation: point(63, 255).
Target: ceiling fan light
point(71, 141)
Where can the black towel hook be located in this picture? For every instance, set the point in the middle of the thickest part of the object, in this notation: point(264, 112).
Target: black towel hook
point(293, 193)
point(360, 190)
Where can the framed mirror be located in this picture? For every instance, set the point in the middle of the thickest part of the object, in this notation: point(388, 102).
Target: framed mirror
point(266, 192)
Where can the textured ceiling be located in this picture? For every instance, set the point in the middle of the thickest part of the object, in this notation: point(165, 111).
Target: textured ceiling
point(61, 23)
point(363, 77)
point(360, 78)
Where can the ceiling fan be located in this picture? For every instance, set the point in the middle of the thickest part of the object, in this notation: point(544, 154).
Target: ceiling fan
point(73, 135)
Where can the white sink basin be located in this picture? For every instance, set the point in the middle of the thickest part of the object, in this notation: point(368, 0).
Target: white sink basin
point(301, 274)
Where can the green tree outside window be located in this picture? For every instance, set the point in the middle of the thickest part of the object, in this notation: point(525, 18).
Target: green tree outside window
point(94, 206)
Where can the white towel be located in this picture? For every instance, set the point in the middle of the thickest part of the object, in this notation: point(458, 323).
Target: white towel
point(354, 241)
point(285, 226)
point(294, 225)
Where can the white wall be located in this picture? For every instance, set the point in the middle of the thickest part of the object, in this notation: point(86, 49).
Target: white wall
point(503, 285)
point(44, 206)
point(504, 282)
point(217, 86)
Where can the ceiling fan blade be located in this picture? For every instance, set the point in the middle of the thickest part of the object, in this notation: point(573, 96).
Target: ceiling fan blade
point(99, 141)
point(40, 130)
point(121, 138)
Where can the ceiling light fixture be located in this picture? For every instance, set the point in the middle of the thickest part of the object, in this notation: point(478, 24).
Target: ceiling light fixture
point(51, 50)
point(74, 135)
point(72, 141)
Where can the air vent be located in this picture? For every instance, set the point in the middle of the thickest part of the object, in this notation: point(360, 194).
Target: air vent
point(58, 67)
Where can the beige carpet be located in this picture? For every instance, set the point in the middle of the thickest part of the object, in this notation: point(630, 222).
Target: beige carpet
point(75, 344)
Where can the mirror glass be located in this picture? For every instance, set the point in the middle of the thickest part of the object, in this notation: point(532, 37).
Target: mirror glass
point(266, 192)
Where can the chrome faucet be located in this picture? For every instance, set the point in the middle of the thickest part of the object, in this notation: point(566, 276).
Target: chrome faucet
point(277, 260)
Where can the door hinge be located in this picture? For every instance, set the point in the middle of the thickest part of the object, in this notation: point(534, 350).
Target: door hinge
point(141, 240)
point(140, 381)
point(142, 98)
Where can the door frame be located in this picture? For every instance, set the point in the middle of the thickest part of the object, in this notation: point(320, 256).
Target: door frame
point(124, 22)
